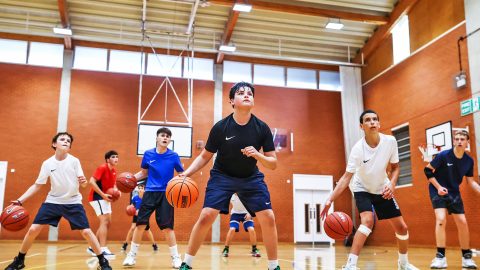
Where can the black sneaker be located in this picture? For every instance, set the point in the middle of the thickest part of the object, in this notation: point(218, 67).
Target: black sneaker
point(184, 266)
point(103, 264)
point(124, 246)
point(155, 247)
point(225, 252)
point(16, 264)
point(277, 268)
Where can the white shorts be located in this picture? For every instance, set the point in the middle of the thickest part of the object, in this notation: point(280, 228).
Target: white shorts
point(101, 207)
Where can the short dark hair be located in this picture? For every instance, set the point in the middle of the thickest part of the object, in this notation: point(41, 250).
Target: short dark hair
point(462, 132)
point(239, 85)
point(110, 153)
point(164, 130)
point(54, 139)
point(365, 112)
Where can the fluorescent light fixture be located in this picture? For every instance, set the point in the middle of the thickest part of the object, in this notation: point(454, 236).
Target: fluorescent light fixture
point(334, 25)
point(242, 7)
point(227, 48)
point(62, 31)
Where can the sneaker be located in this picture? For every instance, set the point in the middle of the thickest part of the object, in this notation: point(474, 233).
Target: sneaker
point(467, 261)
point(124, 246)
point(439, 262)
point(107, 252)
point(350, 267)
point(256, 253)
point(155, 247)
point(16, 264)
point(225, 252)
point(176, 261)
point(184, 266)
point(104, 265)
point(277, 268)
point(91, 252)
point(129, 260)
point(406, 266)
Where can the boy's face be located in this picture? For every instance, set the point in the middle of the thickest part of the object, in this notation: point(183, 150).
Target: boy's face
point(141, 190)
point(370, 123)
point(460, 141)
point(113, 160)
point(243, 98)
point(63, 143)
point(163, 140)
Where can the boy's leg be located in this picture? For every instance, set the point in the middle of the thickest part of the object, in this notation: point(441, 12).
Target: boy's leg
point(464, 239)
point(269, 233)
point(366, 220)
point(401, 231)
point(30, 237)
point(440, 227)
point(230, 235)
point(102, 231)
point(93, 242)
point(252, 235)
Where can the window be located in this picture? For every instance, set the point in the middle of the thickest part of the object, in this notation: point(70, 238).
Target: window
point(198, 68)
point(125, 61)
point(90, 58)
point(237, 72)
point(402, 134)
point(46, 54)
point(164, 65)
point(301, 78)
point(269, 75)
point(330, 80)
point(13, 51)
point(401, 40)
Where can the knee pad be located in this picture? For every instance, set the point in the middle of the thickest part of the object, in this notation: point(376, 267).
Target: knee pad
point(402, 237)
point(365, 230)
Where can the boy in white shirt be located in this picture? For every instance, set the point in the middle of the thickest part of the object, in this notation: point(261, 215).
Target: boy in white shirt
point(63, 200)
point(367, 164)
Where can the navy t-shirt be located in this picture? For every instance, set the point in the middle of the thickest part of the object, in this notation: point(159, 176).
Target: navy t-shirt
point(160, 168)
point(227, 138)
point(450, 170)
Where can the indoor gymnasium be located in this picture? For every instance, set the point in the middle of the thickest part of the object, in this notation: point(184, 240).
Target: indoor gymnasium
point(239, 134)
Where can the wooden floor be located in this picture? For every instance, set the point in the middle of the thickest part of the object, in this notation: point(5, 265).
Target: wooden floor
point(72, 255)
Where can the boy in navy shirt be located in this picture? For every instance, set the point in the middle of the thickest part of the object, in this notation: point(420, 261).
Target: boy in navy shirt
point(445, 173)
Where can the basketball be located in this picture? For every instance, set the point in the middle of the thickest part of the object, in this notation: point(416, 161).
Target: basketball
point(126, 182)
point(338, 225)
point(181, 192)
point(14, 218)
point(131, 210)
point(114, 193)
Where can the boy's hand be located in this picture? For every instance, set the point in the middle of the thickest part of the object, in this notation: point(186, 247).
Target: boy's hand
point(82, 180)
point(326, 207)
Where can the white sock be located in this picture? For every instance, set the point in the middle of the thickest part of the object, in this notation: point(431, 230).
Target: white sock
point(134, 248)
point(188, 259)
point(173, 251)
point(403, 258)
point(352, 259)
point(272, 264)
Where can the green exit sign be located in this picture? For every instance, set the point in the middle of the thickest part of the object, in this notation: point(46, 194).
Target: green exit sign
point(469, 106)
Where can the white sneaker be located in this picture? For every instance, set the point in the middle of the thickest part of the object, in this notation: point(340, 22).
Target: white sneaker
point(467, 262)
point(107, 252)
point(350, 267)
point(176, 261)
point(439, 263)
point(406, 266)
point(129, 260)
point(91, 252)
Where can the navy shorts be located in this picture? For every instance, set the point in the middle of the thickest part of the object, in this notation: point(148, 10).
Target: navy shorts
point(252, 191)
point(453, 203)
point(236, 219)
point(134, 220)
point(51, 213)
point(385, 209)
point(156, 201)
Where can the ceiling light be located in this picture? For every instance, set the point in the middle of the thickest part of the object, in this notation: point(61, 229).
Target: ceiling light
point(334, 24)
point(242, 7)
point(62, 31)
point(227, 48)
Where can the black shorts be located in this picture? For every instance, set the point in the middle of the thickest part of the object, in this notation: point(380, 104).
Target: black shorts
point(134, 220)
point(385, 209)
point(51, 213)
point(453, 203)
point(156, 201)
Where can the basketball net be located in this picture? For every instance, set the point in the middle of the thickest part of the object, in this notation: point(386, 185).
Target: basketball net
point(424, 150)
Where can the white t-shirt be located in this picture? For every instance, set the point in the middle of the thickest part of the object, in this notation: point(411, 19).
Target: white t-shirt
point(369, 164)
point(63, 180)
point(238, 207)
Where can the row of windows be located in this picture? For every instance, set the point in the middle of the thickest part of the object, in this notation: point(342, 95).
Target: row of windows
point(47, 54)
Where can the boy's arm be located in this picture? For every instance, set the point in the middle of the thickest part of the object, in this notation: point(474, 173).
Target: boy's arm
point(30, 192)
point(198, 163)
point(431, 178)
point(268, 159)
point(96, 188)
point(143, 173)
point(341, 186)
point(388, 190)
point(474, 184)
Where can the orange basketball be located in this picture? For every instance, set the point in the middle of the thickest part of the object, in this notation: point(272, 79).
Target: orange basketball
point(338, 225)
point(126, 182)
point(130, 210)
point(114, 193)
point(181, 192)
point(14, 218)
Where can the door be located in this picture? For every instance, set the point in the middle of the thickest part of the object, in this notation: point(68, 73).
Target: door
point(308, 225)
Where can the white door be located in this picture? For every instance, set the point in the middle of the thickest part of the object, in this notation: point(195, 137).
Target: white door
point(308, 224)
point(3, 181)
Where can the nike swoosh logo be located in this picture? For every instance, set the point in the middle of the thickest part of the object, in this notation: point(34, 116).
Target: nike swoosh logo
point(53, 170)
point(267, 203)
point(229, 138)
point(449, 164)
point(151, 161)
point(365, 161)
